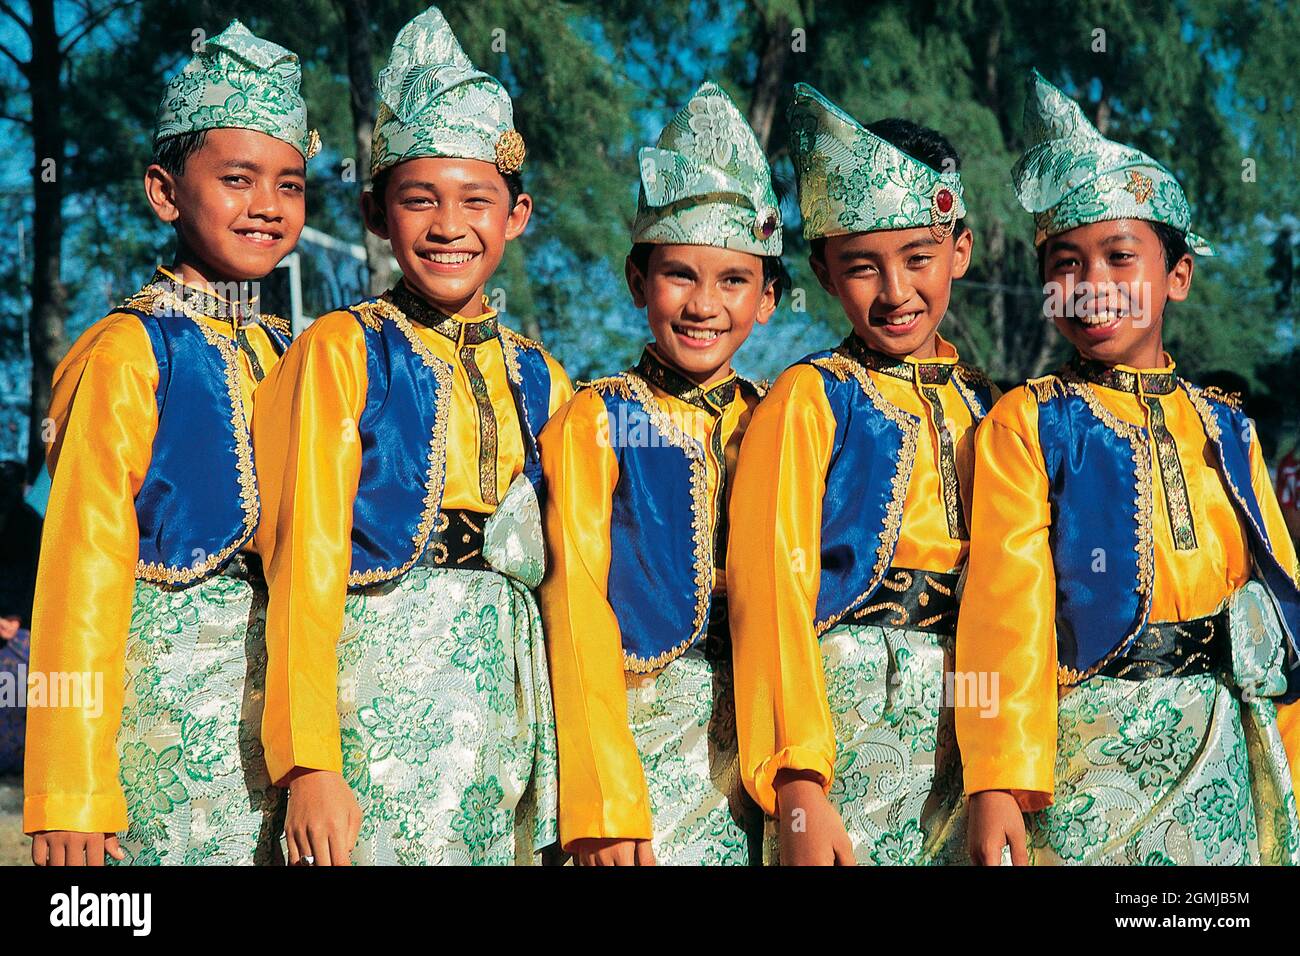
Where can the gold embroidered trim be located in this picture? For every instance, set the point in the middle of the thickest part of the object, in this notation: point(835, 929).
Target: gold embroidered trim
point(1231, 399)
point(967, 391)
point(702, 540)
point(372, 314)
point(1144, 505)
point(1198, 398)
point(610, 385)
point(157, 572)
point(949, 485)
point(487, 426)
point(436, 475)
point(1046, 388)
point(275, 322)
point(146, 300)
point(974, 376)
point(842, 368)
point(1177, 503)
point(519, 340)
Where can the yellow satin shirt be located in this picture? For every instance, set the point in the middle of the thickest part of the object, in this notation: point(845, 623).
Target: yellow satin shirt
point(1007, 623)
point(308, 452)
point(102, 420)
point(782, 714)
point(603, 790)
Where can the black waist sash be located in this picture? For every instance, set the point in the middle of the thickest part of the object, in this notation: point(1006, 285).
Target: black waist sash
point(1175, 649)
point(911, 599)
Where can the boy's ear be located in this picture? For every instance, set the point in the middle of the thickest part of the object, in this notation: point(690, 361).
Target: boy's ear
point(767, 305)
point(1180, 278)
point(961, 253)
point(635, 282)
point(519, 216)
point(372, 214)
point(160, 190)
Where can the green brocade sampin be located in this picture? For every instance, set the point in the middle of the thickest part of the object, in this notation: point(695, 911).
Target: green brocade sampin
point(1070, 175)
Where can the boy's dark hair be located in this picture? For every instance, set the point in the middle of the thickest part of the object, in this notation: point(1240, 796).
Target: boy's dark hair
point(173, 152)
point(921, 143)
point(379, 185)
point(1173, 242)
point(774, 273)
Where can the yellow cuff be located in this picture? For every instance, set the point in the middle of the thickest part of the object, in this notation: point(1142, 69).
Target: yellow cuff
point(77, 812)
point(308, 752)
point(1032, 787)
point(606, 822)
point(763, 789)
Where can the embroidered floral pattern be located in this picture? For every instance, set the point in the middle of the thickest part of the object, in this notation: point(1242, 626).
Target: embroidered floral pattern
point(684, 724)
point(191, 764)
point(446, 720)
point(433, 102)
point(239, 80)
point(1070, 175)
point(1166, 770)
point(897, 783)
point(707, 182)
point(851, 180)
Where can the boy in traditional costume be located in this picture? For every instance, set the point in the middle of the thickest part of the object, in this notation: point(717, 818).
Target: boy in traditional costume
point(1131, 583)
point(848, 517)
point(407, 703)
point(637, 471)
point(149, 581)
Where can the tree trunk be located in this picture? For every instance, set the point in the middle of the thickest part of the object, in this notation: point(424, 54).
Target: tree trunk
point(769, 83)
point(356, 35)
point(996, 256)
point(46, 336)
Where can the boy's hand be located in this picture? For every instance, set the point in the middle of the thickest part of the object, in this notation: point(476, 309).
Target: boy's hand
point(71, 848)
point(613, 852)
point(812, 833)
point(323, 819)
point(995, 821)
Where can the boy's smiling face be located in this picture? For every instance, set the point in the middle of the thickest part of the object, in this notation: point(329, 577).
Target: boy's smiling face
point(1108, 285)
point(701, 304)
point(894, 285)
point(448, 221)
point(238, 206)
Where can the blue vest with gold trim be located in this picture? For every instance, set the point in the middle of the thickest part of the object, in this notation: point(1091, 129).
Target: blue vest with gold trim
point(403, 433)
point(197, 505)
point(866, 482)
point(661, 550)
point(1094, 461)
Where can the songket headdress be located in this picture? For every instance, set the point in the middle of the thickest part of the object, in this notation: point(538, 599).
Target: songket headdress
point(851, 180)
point(1070, 175)
point(433, 102)
point(239, 81)
point(706, 181)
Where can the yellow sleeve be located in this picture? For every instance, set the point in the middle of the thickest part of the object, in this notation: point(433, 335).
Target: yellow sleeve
point(603, 791)
point(1288, 715)
point(308, 455)
point(561, 387)
point(1007, 624)
point(104, 416)
point(783, 719)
